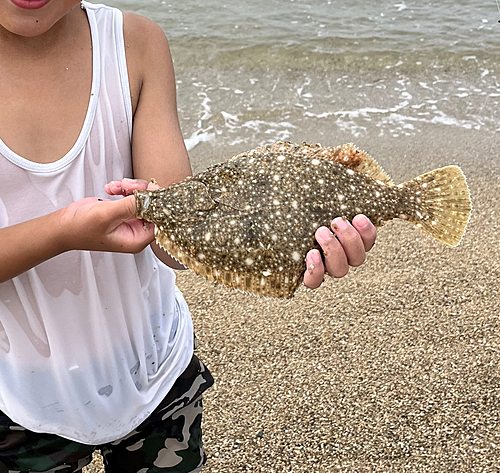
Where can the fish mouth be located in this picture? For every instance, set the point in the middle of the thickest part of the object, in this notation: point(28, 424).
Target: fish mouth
point(141, 203)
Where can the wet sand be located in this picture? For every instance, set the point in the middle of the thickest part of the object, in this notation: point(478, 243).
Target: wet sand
point(393, 368)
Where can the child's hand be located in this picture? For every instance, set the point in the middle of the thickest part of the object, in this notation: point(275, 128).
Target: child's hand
point(347, 246)
point(105, 225)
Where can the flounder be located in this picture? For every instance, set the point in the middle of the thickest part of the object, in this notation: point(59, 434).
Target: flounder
point(249, 222)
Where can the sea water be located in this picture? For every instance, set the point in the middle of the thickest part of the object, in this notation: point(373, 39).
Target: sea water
point(257, 71)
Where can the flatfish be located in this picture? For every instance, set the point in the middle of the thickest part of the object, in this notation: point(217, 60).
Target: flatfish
point(249, 222)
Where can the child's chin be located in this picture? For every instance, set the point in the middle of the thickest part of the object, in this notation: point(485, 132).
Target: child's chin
point(31, 22)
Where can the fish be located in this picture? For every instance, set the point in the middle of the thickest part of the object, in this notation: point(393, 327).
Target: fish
point(249, 222)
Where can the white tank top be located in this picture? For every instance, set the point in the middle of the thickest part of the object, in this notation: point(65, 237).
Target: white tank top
point(90, 342)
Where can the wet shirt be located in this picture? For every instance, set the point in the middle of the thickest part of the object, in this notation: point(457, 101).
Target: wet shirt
point(90, 342)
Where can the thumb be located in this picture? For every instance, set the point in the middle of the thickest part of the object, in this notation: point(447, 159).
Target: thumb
point(126, 208)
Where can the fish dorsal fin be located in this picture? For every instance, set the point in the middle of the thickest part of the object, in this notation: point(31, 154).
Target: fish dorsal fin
point(347, 155)
point(282, 147)
point(350, 156)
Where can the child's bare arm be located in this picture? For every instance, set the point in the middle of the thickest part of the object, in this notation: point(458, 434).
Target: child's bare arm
point(87, 224)
point(158, 148)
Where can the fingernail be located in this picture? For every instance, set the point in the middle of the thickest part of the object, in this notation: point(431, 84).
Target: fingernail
point(363, 220)
point(324, 234)
point(127, 179)
point(339, 224)
point(315, 257)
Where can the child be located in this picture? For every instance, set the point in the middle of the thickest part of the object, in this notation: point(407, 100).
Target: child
point(96, 342)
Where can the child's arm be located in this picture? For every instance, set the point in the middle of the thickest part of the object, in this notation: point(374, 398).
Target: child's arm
point(87, 224)
point(158, 148)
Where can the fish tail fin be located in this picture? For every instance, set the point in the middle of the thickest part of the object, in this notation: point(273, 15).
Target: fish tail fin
point(442, 204)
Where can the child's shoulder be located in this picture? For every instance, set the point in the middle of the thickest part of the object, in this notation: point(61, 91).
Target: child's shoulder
point(141, 32)
point(147, 52)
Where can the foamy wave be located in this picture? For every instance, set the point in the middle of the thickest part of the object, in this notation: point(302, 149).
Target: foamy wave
point(199, 136)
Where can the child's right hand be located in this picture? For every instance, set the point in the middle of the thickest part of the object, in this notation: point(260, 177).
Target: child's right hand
point(87, 224)
point(105, 225)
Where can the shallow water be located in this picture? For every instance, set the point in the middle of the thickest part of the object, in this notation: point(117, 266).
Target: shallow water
point(259, 71)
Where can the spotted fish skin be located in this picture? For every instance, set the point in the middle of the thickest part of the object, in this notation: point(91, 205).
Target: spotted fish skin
point(249, 222)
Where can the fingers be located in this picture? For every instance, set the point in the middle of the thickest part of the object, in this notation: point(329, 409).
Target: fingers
point(153, 185)
point(336, 263)
point(125, 186)
point(366, 230)
point(352, 244)
point(346, 246)
point(315, 272)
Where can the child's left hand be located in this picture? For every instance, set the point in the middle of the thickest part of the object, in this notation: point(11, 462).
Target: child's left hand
point(346, 246)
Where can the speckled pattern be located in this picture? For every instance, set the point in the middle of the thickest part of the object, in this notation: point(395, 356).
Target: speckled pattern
point(249, 222)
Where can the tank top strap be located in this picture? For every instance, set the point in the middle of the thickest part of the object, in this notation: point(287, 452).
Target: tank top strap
point(109, 39)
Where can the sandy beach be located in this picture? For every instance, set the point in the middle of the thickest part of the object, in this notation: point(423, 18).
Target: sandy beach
point(393, 368)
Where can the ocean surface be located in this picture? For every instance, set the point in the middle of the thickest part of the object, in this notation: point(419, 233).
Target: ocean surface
point(257, 71)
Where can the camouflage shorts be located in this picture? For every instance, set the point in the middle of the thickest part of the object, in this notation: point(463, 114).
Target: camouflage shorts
point(169, 441)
